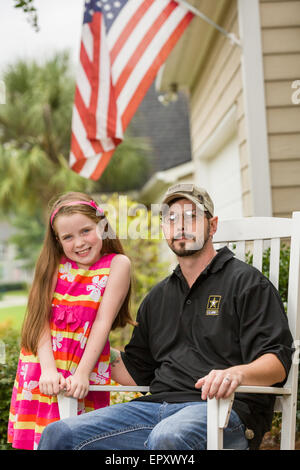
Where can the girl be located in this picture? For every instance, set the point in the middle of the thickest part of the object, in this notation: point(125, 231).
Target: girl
point(80, 292)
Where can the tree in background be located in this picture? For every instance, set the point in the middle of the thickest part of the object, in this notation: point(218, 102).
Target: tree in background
point(29, 9)
point(129, 167)
point(34, 136)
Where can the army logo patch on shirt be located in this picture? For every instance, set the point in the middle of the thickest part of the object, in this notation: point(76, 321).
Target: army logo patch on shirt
point(213, 305)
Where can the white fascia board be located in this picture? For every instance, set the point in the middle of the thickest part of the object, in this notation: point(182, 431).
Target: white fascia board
point(161, 180)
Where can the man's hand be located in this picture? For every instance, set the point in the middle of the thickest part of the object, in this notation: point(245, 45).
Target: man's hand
point(265, 371)
point(220, 383)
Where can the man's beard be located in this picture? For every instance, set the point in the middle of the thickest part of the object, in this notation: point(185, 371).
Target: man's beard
point(197, 247)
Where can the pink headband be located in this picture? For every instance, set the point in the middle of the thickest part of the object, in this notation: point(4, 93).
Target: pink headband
point(91, 203)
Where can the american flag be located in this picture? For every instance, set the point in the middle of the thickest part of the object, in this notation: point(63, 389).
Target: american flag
point(123, 45)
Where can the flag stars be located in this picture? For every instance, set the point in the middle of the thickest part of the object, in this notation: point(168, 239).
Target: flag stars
point(90, 8)
point(110, 10)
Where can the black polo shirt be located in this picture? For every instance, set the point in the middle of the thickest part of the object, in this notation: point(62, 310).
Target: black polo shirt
point(231, 315)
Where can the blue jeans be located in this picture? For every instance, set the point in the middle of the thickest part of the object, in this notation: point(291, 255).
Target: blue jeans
point(140, 425)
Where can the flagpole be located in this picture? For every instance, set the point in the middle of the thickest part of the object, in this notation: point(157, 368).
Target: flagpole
point(231, 36)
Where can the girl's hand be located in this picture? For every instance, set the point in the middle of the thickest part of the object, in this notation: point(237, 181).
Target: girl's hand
point(62, 383)
point(51, 382)
point(77, 385)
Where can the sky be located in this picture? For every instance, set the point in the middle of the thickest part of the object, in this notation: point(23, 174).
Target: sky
point(60, 28)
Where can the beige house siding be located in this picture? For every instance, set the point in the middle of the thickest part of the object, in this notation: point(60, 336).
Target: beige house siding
point(215, 92)
point(280, 22)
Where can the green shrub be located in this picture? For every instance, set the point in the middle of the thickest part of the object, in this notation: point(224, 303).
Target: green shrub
point(283, 269)
point(10, 339)
point(283, 291)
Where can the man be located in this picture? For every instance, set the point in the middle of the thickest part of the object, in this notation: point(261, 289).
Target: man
point(215, 323)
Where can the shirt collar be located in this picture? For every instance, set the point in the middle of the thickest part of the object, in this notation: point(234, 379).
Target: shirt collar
point(223, 255)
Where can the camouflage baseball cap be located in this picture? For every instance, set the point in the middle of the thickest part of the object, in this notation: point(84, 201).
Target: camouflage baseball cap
point(189, 191)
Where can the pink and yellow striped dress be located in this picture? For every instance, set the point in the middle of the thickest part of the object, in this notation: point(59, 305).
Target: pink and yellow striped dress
point(76, 300)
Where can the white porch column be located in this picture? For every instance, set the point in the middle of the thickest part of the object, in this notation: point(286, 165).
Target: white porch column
point(255, 106)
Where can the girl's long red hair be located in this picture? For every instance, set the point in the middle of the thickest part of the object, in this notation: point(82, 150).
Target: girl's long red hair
point(40, 296)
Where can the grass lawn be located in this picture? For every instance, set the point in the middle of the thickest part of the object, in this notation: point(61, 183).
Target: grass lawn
point(15, 293)
point(12, 316)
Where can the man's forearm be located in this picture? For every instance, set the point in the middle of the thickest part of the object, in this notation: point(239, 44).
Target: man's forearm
point(119, 373)
point(264, 371)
